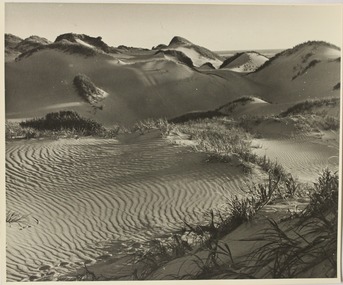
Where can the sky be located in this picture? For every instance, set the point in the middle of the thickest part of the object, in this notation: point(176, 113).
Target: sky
point(217, 27)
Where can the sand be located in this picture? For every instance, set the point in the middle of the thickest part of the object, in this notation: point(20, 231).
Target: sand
point(81, 196)
point(150, 86)
point(247, 62)
point(304, 158)
point(315, 82)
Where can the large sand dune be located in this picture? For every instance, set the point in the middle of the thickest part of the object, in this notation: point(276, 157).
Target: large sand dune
point(162, 82)
point(310, 70)
point(153, 87)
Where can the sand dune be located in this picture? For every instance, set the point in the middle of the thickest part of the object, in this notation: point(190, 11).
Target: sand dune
point(86, 193)
point(245, 62)
point(198, 54)
point(309, 70)
point(146, 88)
point(143, 84)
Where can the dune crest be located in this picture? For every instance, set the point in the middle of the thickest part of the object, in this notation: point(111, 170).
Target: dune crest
point(245, 62)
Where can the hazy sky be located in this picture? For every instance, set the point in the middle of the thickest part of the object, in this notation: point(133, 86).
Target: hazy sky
point(217, 27)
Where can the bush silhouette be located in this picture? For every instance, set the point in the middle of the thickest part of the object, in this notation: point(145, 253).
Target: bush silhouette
point(63, 120)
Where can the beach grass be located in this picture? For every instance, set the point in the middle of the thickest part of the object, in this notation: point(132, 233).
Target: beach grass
point(59, 124)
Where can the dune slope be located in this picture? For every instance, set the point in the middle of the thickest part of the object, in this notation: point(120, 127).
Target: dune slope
point(245, 62)
point(153, 87)
point(309, 70)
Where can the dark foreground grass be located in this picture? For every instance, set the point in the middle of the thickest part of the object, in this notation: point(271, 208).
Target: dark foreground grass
point(303, 248)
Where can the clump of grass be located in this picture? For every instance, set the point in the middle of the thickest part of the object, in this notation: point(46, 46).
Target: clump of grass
point(324, 198)
point(87, 90)
point(285, 250)
point(159, 252)
point(146, 125)
point(310, 65)
point(13, 130)
point(295, 49)
point(60, 124)
point(63, 120)
point(337, 86)
point(309, 106)
point(312, 115)
point(218, 136)
point(229, 107)
point(314, 122)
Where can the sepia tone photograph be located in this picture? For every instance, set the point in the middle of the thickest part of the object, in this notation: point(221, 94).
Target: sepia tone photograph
point(172, 142)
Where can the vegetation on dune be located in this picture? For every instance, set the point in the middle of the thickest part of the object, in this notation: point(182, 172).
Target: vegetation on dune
point(337, 86)
point(295, 49)
point(63, 120)
point(229, 107)
point(57, 124)
point(222, 111)
point(146, 125)
point(310, 123)
point(219, 137)
point(195, 116)
point(306, 68)
point(286, 249)
point(294, 247)
point(310, 243)
point(14, 130)
point(88, 91)
point(312, 114)
point(309, 105)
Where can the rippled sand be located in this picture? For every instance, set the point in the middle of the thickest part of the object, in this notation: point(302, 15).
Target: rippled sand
point(80, 195)
point(304, 158)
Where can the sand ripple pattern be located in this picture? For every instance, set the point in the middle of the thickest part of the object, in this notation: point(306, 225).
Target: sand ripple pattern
point(79, 195)
point(301, 157)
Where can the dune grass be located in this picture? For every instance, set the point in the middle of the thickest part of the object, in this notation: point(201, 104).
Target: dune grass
point(14, 130)
point(220, 137)
point(309, 106)
point(312, 115)
point(278, 256)
point(88, 91)
point(294, 250)
point(295, 49)
point(59, 124)
point(337, 86)
point(149, 124)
